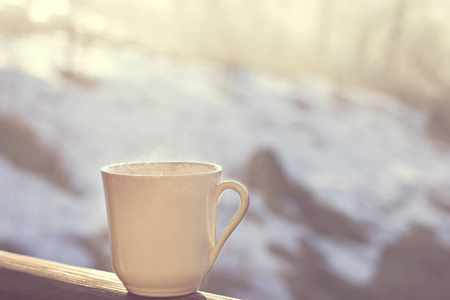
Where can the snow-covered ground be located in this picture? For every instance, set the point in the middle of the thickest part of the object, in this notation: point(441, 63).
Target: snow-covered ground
point(364, 154)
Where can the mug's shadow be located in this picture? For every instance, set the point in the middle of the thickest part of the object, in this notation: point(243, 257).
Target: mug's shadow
point(194, 296)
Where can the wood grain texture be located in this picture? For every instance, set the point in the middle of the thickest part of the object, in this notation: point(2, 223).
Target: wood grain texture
point(24, 277)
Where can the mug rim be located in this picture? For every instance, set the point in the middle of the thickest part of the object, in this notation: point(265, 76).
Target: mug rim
point(112, 168)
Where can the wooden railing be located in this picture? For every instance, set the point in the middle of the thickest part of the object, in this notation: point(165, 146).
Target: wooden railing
point(24, 277)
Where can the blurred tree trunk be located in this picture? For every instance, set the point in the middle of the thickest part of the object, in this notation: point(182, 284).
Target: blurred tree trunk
point(365, 37)
point(326, 13)
point(395, 34)
point(72, 41)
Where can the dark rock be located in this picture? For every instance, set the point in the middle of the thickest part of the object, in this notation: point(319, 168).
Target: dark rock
point(264, 173)
point(94, 246)
point(12, 247)
point(440, 200)
point(326, 221)
point(295, 202)
point(310, 279)
point(438, 123)
point(415, 267)
point(224, 282)
point(20, 144)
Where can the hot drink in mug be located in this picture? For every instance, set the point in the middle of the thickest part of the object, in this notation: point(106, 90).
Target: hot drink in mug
point(162, 224)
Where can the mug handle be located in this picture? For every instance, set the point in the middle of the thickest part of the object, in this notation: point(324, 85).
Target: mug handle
point(237, 218)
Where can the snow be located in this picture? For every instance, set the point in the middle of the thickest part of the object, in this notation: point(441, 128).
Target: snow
point(251, 254)
point(361, 155)
point(353, 262)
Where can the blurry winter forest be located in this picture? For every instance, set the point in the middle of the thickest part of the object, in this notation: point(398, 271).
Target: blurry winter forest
point(334, 113)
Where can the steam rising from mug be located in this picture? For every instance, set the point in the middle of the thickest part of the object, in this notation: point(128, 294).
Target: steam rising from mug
point(184, 146)
point(162, 224)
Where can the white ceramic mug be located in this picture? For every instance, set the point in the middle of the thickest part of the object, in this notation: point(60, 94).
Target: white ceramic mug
point(162, 224)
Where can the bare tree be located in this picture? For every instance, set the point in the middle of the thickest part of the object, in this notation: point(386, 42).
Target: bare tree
point(325, 18)
point(396, 34)
point(71, 49)
point(365, 37)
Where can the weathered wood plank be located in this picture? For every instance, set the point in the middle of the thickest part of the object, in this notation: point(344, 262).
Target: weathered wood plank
point(24, 277)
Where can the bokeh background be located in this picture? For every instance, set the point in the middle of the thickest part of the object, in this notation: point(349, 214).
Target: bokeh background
point(334, 113)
